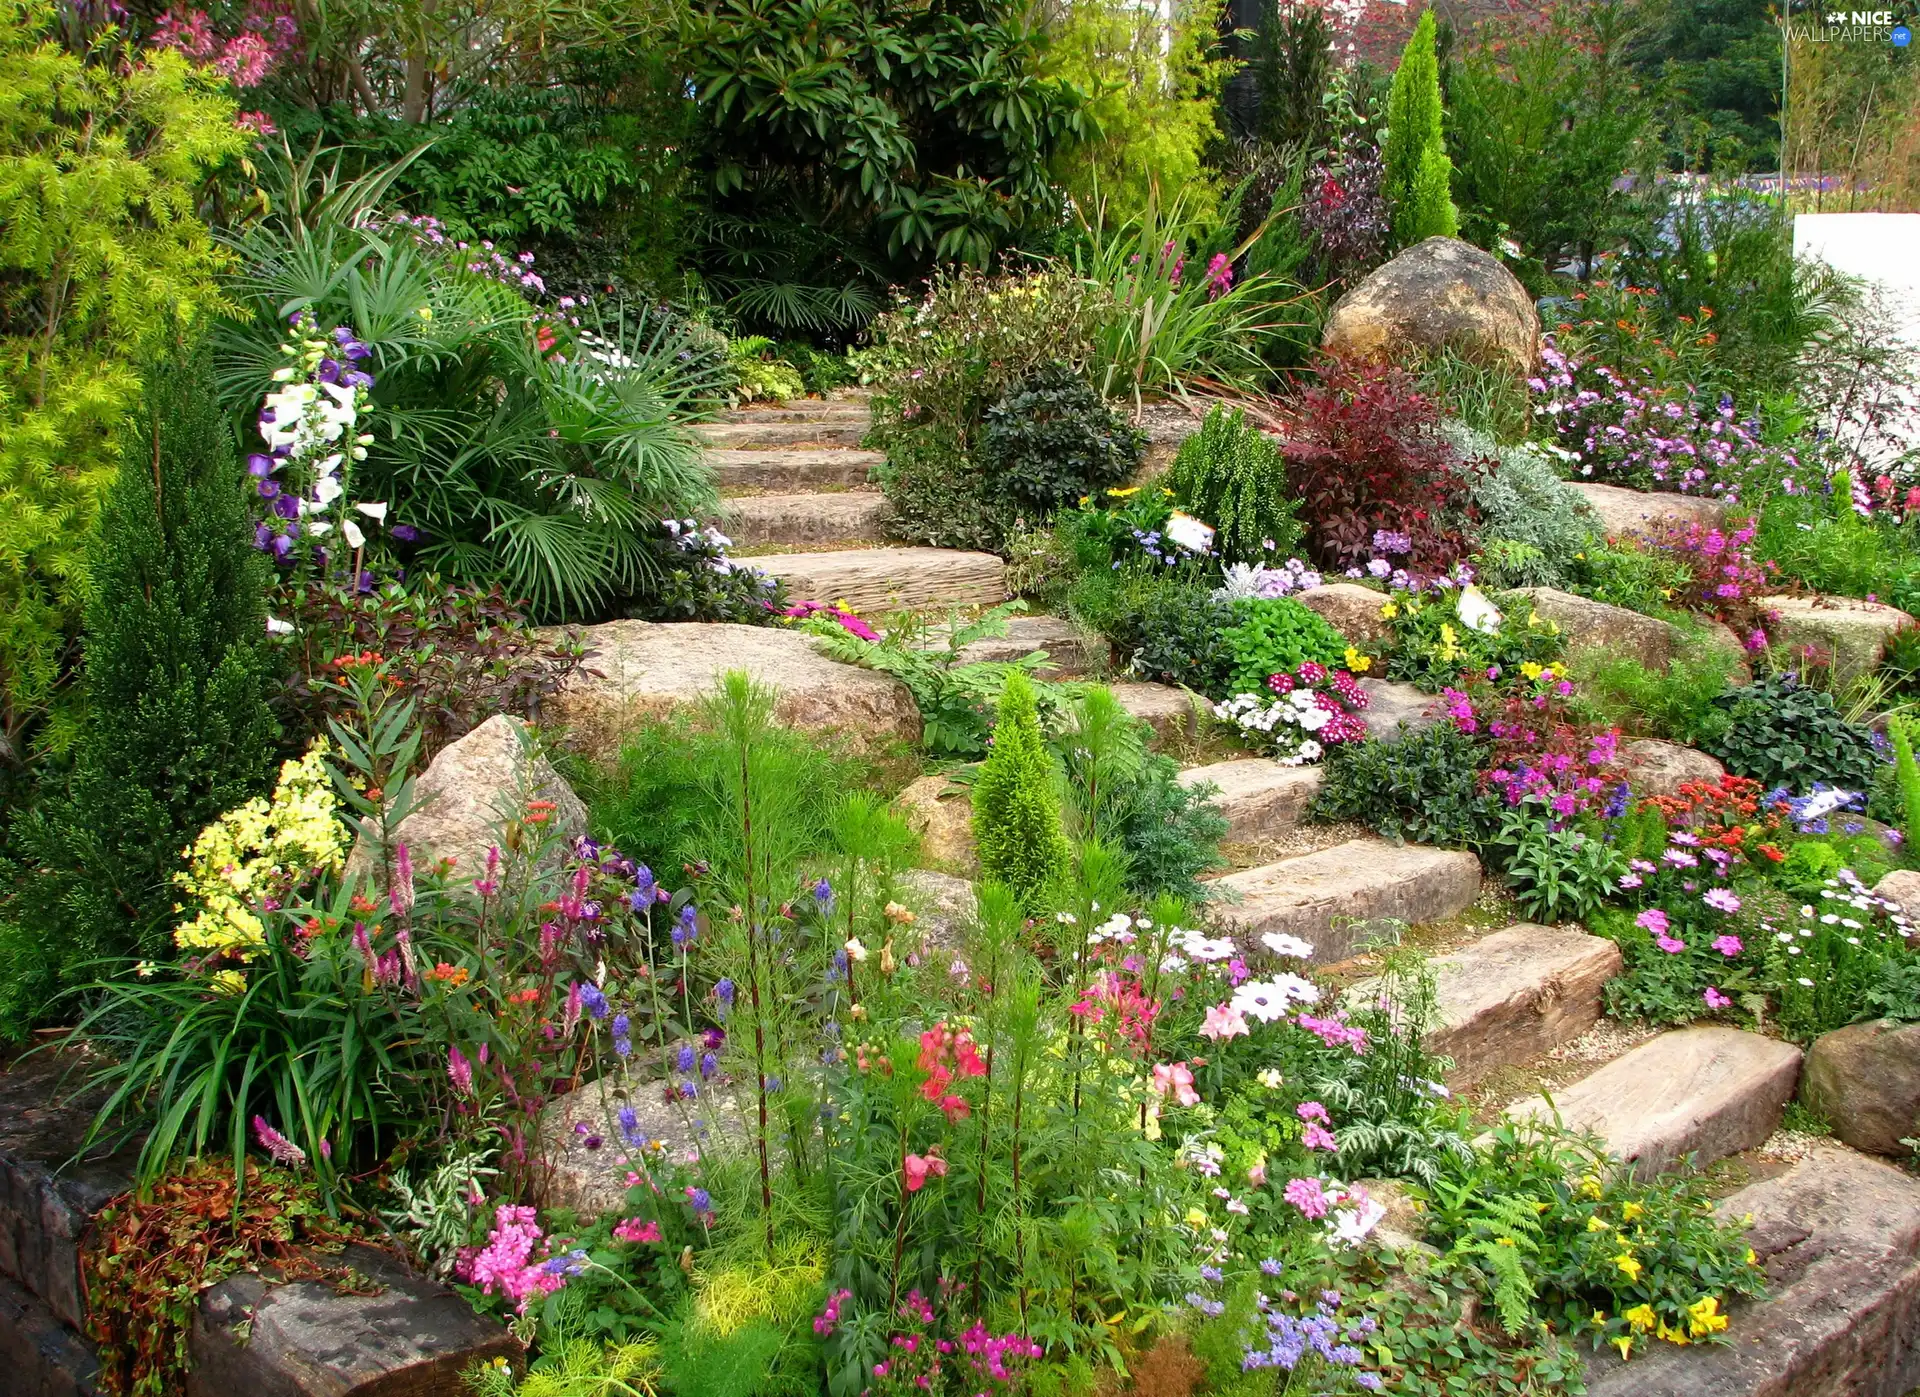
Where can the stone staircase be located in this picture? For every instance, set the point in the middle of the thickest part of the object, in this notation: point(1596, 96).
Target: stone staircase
point(793, 476)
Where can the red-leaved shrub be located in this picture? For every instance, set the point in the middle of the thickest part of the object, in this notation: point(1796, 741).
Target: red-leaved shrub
point(1365, 455)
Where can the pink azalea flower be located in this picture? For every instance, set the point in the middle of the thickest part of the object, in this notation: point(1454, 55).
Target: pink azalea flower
point(1727, 945)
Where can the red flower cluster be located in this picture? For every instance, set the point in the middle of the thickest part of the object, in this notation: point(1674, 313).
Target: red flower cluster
point(944, 1052)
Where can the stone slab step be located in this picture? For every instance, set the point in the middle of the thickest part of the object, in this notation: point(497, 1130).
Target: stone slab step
point(776, 470)
point(1839, 1236)
point(1069, 650)
point(40, 1356)
point(1328, 897)
point(891, 579)
point(1613, 630)
point(801, 410)
point(1394, 709)
point(1259, 797)
point(641, 670)
point(838, 516)
point(1170, 712)
point(1851, 630)
point(1709, 1092)
point(762, 436)
point(1512, 996)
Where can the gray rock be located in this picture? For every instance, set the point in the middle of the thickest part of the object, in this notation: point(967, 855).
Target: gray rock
point(1071, 653)
point(1331, 897)
point(1708, 1092)
point(1594, 625)
point(1512, 996)
point(1350, 609)
point(1902, 888)
point(589, 1161)
point(1865, 1079)
point(642, 670)
point(309, 1339)
point(782, 432)
point(40, 1356)
point(1656, 768)
point(1439, 294)
point(940, 811)
point(1625, 512)
point(1259, 797)
point(837, 516)
point(875, 580)
point(468, 794)
point(944, 908)
point(1165, 709)
point(1395, 709)
point(1839, 1236)
point(1853, 632)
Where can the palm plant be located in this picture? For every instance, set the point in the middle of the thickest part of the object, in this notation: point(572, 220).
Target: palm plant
point(526, 449)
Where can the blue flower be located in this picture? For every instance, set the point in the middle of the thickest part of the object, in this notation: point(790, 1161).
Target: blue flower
point(1271, 1267)
point(685, 1060)
point(642, 886)
point(823, 892)
point(708, 1064)
point(723, 991)
point(701, 1200)
point(1210, 1273)
point(592, 1000)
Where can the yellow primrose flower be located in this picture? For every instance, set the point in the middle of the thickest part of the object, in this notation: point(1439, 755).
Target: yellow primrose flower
point(1358, 662)
point(1389, 611)
point(1640, 1317)
point(1632, 1212)
point(1704, 1317)
point(1751, 1257)
point(1123, 493)
point(1596, 1223)
point(1599, 1319)
point(1196, 1218)
point(1672, 1335)
point(1629, 1267)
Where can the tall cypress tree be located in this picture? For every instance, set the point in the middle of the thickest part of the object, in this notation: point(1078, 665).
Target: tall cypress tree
point(1016, 802)
point(1418, 173)
point(178, 729)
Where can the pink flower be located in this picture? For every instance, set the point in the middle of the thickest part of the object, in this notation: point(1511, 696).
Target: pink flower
point(1727, 945)
point(1316, 1137)
point(634, 1230)
point(1175, 1078)
point(1313, 1111)
point(1257, 1176)
point(1223, 1022)
point(1307, 1195)
point(1715, 999)
point(283, 1150)
point(1653, 920)
point(460, 1072)
point(917, 1167)
point(1722, 900)
point(1672, 945)
point(956, 1108)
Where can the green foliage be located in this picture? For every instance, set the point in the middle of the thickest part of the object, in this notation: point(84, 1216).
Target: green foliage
point(1052, 441)
point(1274, 635)
point(1906, 774)
point(1232, 475)
point(1561, 875)
point(1677, 703)
point(1780, 732)
point(1716, 67)
point(1432, 645)
point(1418, 171)
point(1292, 70)
point(1423, 788)
point(759, 373)
point(1170, 629)
point(544, 472)
point(1523, 500)
point(1817, 539)
point(103, 164)
point(910, 138)
point(1543, 117)
point(1016, 808)
point(1152, 88)
point(178, 729)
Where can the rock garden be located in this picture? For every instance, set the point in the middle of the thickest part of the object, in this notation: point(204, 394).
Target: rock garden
point(773, 700)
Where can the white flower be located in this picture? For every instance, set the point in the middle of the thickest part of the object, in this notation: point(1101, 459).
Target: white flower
point(1476, 612)
point(1282, 944)
point(1351, 1224)
point(275, 626)
point(376, 512)
point(1311, 752)
point(1267, 1000)
point(351, 532)
point(1803, 980)
point(318, 527)
point(1271, 1079)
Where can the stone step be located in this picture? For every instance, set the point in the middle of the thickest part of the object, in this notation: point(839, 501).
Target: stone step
point(1260, 798)
point(1839, 1236)
point(1515, 995)
point(1622, 511)
point(788, 470)
point(836, 516)
point(1070, 651)
point(891, 579)
point(642, 670)
point(801, 410)
point(1707, 1092)
point(1613, 630)
point(40, 1356)
point(1852, 631)
point(1171, 713)
point(1657, 768)
point(763, 436)
point(1394, 709)
point(1328, 897)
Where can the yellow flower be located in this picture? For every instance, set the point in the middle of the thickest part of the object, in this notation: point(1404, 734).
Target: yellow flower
point(1389, 611)
point(1196, 1218)
point(228, 982)
point(1085, 500)
point(1704, 1317)
point(1504, 1241)
point(1358, 662)
point(1751, 1257)
point(1629, 1267)
point(1632, 1211)
point(1590, 1185)
point(1123, 493)
point(1672, 1335)
point(1640, 1317)
point(1596, 1223)
point(1531, 670)
point(1599, 1319)
point(1625, 1344)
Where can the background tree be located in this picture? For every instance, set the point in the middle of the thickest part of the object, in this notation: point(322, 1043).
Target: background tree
point(178, 729)
point(1418, 173)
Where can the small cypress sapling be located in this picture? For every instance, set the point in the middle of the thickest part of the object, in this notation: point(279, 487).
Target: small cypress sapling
point(178, 729)
point(1906, 775)
point(1233, 476)
point(1418, 172)
point(1016, 803)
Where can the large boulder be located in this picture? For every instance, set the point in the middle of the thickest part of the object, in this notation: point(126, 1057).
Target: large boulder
point(1622, 512)
point(1902, 889)
point(944, 907)
point(1594, 625)
point(592, 1165)
point(470, 791)
point(1350, 609)
point(1438, 294)
point(940, 811)
point(1656, 768)
point(1395, 710)
point(1865, 1079)
point(1853, 632)
point(640, 670)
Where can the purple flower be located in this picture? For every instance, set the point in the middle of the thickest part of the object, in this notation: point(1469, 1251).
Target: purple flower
point(404, 533)
point(686, 1058)
point(283, 1150)
point(592, 1000)
point(723, 991)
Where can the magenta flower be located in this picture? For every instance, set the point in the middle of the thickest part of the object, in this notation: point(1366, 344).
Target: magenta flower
point(1313, 1111)
point(459, 1071)
point(1318, 1137)
point(283, 1150)
point(1307, 1195)
point(1727, 945)
point(1722, 900)
point(1715, 999)
point(1653, 920)
point(1672, 945)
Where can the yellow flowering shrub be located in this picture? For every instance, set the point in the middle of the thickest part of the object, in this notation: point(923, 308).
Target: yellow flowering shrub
point(259, 852)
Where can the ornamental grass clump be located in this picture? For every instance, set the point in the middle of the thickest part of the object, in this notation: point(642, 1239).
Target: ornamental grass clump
point(1016, 804)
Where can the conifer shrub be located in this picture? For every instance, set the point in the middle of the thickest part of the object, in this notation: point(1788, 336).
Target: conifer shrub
point(1016, 802)
point(178, 727)
point(1418, 170)
point(1231, 475)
